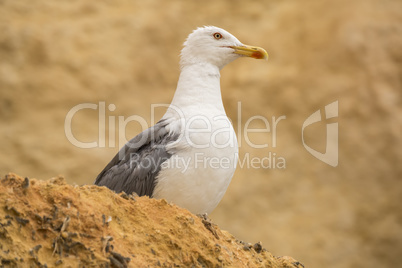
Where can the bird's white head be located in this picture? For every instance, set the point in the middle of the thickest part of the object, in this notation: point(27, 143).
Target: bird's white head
point(216, 46)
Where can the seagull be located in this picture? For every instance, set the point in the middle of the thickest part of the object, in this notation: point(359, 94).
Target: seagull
point(188, 157)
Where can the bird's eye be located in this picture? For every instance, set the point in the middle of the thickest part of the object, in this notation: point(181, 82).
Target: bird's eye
point(217, 36)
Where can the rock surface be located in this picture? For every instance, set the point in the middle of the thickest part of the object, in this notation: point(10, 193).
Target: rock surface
point(52, 223)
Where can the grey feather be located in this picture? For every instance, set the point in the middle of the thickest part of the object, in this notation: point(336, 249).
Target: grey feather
point(137, 165)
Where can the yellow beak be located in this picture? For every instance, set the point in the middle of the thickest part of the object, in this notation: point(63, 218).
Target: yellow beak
point(249, 51)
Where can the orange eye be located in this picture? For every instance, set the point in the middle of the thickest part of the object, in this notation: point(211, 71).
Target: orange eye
point(217, 36)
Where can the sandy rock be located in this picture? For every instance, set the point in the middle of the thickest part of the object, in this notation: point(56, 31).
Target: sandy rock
point(50, 223)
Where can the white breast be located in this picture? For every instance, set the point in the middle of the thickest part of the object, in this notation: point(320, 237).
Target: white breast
point(197, 175)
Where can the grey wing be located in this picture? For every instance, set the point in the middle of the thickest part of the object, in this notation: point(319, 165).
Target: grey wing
point(136, 166)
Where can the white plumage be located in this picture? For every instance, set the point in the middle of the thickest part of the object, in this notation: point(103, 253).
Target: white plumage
point(203, 155)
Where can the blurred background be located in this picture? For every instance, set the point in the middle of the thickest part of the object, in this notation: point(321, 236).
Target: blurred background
point(55, 55)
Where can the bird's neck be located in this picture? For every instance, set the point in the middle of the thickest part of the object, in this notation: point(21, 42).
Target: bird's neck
point(198, 88)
